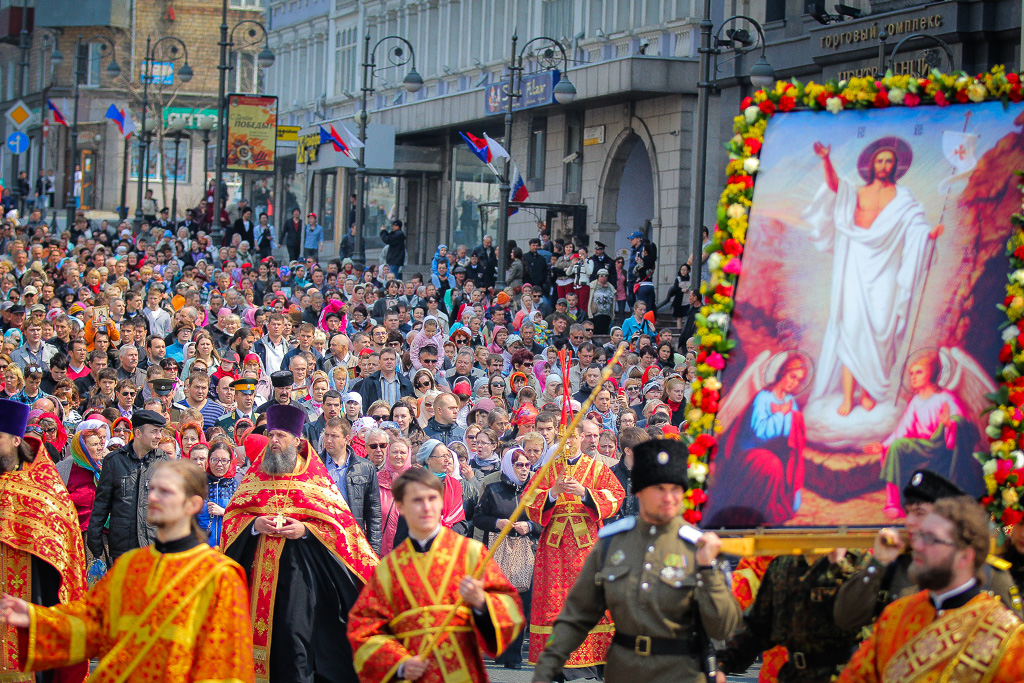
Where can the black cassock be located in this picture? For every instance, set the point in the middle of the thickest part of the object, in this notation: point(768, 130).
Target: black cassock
point(315, 592)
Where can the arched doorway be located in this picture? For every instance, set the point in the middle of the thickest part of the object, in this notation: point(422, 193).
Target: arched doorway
point(628, 192)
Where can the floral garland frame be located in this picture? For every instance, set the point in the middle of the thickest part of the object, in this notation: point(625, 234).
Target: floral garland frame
point(1003, 465)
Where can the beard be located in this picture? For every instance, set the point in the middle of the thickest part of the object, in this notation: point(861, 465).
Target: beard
point(279, 460)
point(931, 578)
point(8, 461)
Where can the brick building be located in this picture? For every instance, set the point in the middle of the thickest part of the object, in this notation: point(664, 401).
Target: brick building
point(101, 150)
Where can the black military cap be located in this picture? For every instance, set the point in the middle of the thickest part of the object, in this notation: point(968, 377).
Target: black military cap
point(927, 487)
point(282, 378)
point(599, 244)
point(162, 387)
point(141, 418)
point(659, 461)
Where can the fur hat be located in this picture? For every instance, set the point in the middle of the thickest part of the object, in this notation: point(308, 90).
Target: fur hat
point(659, 461)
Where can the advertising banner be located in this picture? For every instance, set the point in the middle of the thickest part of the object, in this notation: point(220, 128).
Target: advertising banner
point(252, 133)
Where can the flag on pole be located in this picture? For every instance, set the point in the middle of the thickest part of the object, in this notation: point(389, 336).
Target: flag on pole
point(58, 115)
point(350, 138)
point(497, 151)
point(478, 147)
point(519, 192)
point(122, 119)
point(336, 140)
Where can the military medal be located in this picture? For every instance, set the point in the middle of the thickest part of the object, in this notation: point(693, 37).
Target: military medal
point(675, 568)
point(618, 557)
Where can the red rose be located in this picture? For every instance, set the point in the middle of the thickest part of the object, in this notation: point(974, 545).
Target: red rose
point(698, 497)
point(1015, 93)
point(882, 99)
point(712, 407)
point(692, 516)
point(987, 500)
point(961, 96)
point(911, 100)
point(724, 290)
point(754, 144)
point(732, 247)
point(1008, 434)
point(747, 101)
point(787, 103)
point(1010, 517)
point(1005, 354)
point(696, 449)
point(705, 440)
point(767, 106)
point(1019, 252)
point(1010, 78)
point(1008, 300)
point(1020, 324)
point(940, 99)
point(1016, 397)
point(823, 98)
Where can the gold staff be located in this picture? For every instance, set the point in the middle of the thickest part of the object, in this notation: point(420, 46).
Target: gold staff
point(524, 499)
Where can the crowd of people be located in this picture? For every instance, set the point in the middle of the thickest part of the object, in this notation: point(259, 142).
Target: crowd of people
point(338, 410)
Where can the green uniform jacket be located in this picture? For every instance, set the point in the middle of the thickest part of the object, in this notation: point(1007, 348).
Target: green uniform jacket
point(793, 608)
point(862, 598)
point(647, 577)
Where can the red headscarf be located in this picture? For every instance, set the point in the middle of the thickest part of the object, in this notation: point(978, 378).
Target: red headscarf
point(232, 468)
point(190, 425)
point(127, 422)
point(62, 433)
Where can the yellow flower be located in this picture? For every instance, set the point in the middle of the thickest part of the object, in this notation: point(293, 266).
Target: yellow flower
point(976, 92)
point(1010, 496)
point(990, 484)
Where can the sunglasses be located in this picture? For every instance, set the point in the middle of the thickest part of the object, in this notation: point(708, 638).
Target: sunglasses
point(428, 361)
point(521, 465)
point(422, 385)
point(377, 446)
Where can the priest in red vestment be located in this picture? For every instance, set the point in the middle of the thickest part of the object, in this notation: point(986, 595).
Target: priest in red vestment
point(415, 587)
point(305, 555)
point(42, 557)
point(571, 503)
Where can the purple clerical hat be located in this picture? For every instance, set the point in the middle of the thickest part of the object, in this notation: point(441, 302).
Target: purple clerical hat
point(13, 417)
point(285, 418)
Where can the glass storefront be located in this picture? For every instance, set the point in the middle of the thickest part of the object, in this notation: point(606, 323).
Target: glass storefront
point(473, 184)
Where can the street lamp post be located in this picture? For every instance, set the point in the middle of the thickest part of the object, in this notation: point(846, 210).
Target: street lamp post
point(113, 71)
point(177, 128)
point(264, 60)
point(206, 124)
point(564, 93)
point(174, 45)
point(412, 83)
point(761, 76)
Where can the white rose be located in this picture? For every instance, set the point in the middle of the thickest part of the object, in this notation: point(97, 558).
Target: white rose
point(736, 211)
point(698, 472)
point(1010, 333)
point(989, 468)
point(1017, 276)
point(993, 432)
point(896, 95)
point(996, 418)
point(834, 105)
point(1018, 459)
point(750, 165)
point(1010, 372)
point(718, 320)
point(715, 261)
point(976, 92)
point(751, 114)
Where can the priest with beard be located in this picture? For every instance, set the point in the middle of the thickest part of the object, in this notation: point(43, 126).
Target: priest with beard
point(304, 554)
point(42, 558)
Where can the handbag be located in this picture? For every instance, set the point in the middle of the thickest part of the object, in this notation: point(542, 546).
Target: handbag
point(515, 557)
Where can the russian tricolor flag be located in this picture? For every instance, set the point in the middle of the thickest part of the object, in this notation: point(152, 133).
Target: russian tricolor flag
point(485, 149)
point(519, 191)
point(335, 139)
point(58, 115)
point(123, 120)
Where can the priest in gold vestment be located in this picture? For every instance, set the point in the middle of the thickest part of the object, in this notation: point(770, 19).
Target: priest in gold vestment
point(951, 630)
point(173, 612)
point(42, 559)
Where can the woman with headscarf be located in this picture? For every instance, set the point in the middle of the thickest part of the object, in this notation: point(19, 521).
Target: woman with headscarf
point(81, 472)
point(437, 459)
point(220, 478)
point(54, 435)
point(497, 503)
point(189, 434)
point(398, 460)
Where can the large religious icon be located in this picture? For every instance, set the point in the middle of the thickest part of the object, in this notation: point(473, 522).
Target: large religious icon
point(866, 314)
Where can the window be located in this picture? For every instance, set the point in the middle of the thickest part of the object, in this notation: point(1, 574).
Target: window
point(574, 152)
point(345, 67)
point(537, 148)
point(91, 53)
point(246, 4)
point(557, 17)
point(179, 165)
point(243, 70)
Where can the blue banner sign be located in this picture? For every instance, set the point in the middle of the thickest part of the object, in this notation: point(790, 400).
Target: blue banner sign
point(537, 90)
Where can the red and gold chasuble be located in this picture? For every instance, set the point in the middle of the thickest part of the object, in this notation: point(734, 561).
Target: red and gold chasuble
point(37, 518)
point(570, 531)
point(408, 598)
point(310, 496)
point(159, 618)
point(981, 642)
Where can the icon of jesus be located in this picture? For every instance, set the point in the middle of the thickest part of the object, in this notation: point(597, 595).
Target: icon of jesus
point(878, 235)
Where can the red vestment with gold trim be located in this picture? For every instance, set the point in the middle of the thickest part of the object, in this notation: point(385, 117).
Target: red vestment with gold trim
point(408, 598)
point(981, 642)
point(155, 617)
point(37, 520)
point(570, 531)
point(309, 495)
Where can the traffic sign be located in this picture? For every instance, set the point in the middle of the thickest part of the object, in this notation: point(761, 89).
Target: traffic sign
point(17, 142)
point(19, 114)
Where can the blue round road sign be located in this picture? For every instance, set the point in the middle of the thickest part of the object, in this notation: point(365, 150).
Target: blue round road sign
point(17, 142)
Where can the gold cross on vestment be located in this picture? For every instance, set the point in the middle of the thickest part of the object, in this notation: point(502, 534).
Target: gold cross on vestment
point(425, 620)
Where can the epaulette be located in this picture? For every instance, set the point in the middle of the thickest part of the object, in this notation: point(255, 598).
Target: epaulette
point(998, 562)
point(617, 527)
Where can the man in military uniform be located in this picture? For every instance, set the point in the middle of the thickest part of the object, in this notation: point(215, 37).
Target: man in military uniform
point(657, 575)
point(245, 397)
point(282, 382)
point(793, 608)
point(887, 577)
point(603, 261)
point(163, 389)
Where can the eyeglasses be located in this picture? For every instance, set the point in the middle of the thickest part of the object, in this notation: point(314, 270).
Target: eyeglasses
point(220, 461)
point(925, 538)
point(633, 390)
point(484, 442)
point(521, 465)
point(527, 365)
point(377, 446)
point(445, 456)
point(121, 430)
point(50, 430)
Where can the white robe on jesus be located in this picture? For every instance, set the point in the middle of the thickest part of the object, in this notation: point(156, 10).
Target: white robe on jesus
point(873, 274)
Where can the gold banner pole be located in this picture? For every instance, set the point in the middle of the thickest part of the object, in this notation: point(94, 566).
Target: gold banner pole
point(524, 500)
